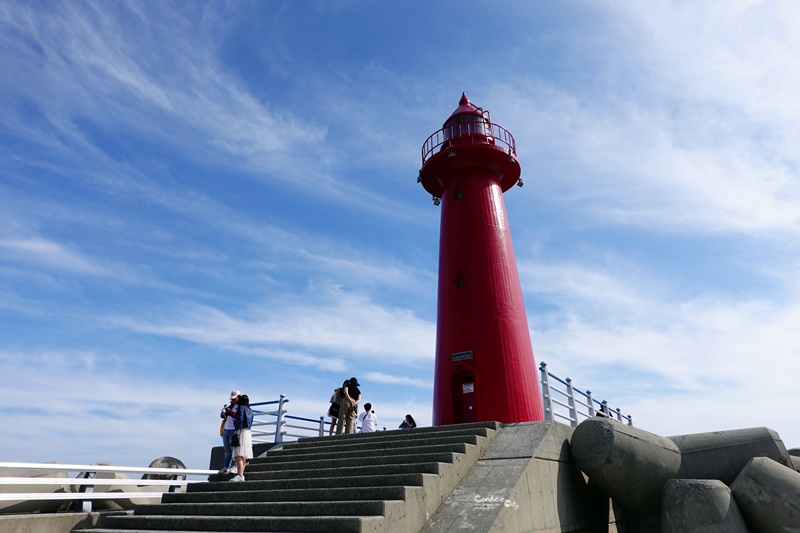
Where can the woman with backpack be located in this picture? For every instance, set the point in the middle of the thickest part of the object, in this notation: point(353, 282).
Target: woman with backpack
point(242, 448)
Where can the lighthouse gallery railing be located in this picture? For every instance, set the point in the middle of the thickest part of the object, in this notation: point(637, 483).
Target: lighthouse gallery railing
point(489, 132)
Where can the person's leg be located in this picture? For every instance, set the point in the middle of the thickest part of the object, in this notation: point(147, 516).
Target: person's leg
point(240, 465)
point(333, 425)
point(227, 461)
point(351, 420)
point(342, 416)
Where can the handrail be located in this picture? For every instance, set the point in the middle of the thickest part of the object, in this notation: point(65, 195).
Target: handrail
point(58, 467)
point(89, 481)
point(574, 402)
point(281, 423)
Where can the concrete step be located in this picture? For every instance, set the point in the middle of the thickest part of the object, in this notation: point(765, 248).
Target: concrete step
point(481, 428)
point(330, 453)
point(376, 479)
point(289, 495)
point(353, 446)
point(348, 462)
point(377, 482)
point(328, 508)
point(364, 470)
point(234, 524)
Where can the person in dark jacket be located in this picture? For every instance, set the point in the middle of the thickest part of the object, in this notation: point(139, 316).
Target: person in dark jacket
point(243, 424)
point(353, 395)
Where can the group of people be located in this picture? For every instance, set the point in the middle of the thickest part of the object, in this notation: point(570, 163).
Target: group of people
point(344, 408)
point(237, 424)
point(235, 430)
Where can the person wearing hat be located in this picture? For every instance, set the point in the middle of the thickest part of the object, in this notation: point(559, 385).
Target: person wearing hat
point(229, 414)
point(349, 406)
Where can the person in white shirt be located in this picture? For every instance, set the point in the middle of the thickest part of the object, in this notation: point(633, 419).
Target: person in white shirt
point(368, 419)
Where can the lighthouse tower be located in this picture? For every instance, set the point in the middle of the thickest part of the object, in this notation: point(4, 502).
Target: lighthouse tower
point(484, 361)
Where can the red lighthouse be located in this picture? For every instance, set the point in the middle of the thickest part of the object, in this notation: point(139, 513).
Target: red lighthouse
point(484, 361)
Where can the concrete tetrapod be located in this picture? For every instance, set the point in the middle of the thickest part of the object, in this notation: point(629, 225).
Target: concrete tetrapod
point(699, 505)
point(794, 455)
point(768, 495)
point(630, 465)
point(722, 454)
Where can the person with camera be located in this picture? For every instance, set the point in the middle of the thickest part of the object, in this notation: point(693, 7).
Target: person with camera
point(228, 413)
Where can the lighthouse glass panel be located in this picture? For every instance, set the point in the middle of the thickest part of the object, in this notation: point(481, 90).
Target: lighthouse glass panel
point(461, 125)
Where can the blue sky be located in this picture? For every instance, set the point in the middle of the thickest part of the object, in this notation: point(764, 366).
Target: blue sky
point(201, 196)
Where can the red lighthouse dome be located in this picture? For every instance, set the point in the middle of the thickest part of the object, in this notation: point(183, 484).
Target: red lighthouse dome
point(468, 134)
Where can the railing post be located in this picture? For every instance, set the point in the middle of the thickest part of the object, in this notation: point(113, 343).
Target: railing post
point(279, 423)
point(590, 402)
point(322, 426)
point(546, 399)
point(619, 415)
point(604, 409)
point(86, 505)
point(573, 413)
point(630, 420)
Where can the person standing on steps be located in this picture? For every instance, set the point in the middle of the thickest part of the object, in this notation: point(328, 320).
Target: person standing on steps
point(344, 404)
point(229, 414)
point(353, 395)
point(243, 424)
point(333, 410)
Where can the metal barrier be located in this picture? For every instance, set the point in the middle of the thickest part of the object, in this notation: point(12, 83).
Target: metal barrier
point(578, 403)
point(87, 482)
point(282, 423)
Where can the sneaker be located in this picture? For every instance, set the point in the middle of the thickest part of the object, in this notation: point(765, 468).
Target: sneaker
point(223, 471)
point(237, 478)
point(232, 470)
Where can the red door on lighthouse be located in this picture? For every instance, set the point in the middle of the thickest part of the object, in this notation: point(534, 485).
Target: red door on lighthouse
point(464, 397)
point(485, 370)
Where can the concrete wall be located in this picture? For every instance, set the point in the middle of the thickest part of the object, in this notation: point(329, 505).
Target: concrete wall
point(526, 482)
point(218, 454)
point(50, 522)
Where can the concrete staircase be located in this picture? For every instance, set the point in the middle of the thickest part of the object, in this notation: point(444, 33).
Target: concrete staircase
point(389, 481)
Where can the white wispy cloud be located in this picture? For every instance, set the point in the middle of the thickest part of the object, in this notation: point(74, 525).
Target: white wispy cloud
point(142, 417)
point(53, 255)
point(341, 322)
point(689, 124)
point(382, 377)
point(625, 334)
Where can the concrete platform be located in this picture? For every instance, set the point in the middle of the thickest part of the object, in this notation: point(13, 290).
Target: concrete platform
point(525, 482)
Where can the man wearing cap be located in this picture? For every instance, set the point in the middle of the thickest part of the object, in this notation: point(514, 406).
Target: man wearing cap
point(229, 414)
point(349, 408)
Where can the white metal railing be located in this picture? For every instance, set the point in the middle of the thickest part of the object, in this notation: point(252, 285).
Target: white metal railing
point(575, 402)
point(282, 423)
point(87, 482)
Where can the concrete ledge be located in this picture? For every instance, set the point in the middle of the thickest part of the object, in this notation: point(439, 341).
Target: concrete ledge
point(33, 506)
point(700, 505)
point(768, 495)
point(52, 522)
point(525, 482)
